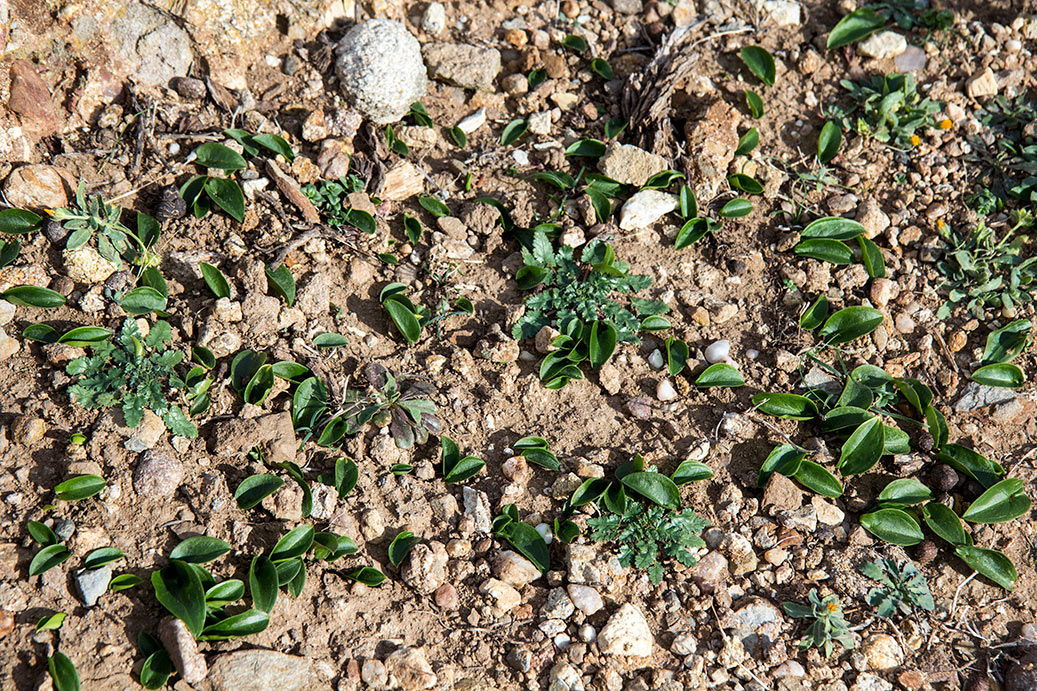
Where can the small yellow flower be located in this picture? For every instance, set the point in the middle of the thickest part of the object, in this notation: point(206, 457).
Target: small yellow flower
point(946, 124)
point(940, 224)
point(915, 140)
point(831, 607)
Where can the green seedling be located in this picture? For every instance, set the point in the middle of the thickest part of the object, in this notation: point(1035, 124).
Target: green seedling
point(135, 373)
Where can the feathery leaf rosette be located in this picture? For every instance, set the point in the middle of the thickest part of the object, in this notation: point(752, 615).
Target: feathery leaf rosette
point(903, 588)
point(135, 373)
point(648, 535)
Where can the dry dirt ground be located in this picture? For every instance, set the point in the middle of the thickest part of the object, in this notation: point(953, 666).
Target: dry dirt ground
point(115, 120)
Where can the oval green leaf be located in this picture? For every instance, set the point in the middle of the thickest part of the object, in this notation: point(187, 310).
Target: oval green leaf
point(760, 62)
point(179, 589)
point(831, 251)
point(787, 405)
point(850, 323)
point(655, 487)
point(215, 279)
point(736, 208)
point(894, 526)
point(33, 296)
point(719, 374)
point(1002, 502)
point(79, 487)
point(833, 228)
point(262, 583)
point(863, 449)
point(1000, 374)
point(990, 563)
point(47, 558)
point(944, 522)
point(199, 549)
point(255, 489)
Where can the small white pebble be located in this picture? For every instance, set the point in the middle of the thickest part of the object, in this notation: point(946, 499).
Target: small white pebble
point(664, 391)
point(472, 122)
point(562, 641)
point(656, 359)
point(718, 351)
point(173, 148)
point(489, 424)
point(1013, 46)
point(752, 353)
point(273, 61)
point(521, 157)
point(587, 633)
point(545, 532)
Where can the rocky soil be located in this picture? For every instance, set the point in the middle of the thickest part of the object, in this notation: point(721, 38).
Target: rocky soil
point(119, 93)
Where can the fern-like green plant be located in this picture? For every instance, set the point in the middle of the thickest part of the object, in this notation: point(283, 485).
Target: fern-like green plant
point(135, 372)
point(903, 588)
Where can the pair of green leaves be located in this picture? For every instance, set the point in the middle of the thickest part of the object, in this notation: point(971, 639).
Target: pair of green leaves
point(791, 461)
point(595, 343)
point(535, 450)
point(526, 540)
point(827, 239)
point(1004, 345)
point(454, 467)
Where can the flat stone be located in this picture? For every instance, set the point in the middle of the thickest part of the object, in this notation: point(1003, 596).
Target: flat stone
point(92, 583)
point(645, 208)
point(629, 164)
point(587, 599)
point(425, 567)
point(911, 60)
point(403, 181)
point(711, 572)
point(86, 265)
point(781, 494)
point(411, 669)
point(477, 505)
point(503, 595)
point(780, 12)
point(37, 186)
point(183, 650)
point(627, 634)
point(157, 475)
point(882, 45)
point(467, 66)
point(261, 670)
point(982, 85)
point(514, 569)
point(883, 652)
point(149, 45)
point(29, 97)
point(976, 396)
point(757, 624)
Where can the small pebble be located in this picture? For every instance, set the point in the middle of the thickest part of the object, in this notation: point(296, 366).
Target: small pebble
point(656, 359)
point(718, 351)
point(664, 391)
point(545, 532)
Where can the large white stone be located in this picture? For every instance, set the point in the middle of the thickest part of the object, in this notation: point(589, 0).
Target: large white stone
point(381, 69)
point(645, 208)
point(627, 633)
point(884, 44)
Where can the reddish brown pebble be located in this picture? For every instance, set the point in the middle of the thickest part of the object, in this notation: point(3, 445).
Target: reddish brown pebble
point(911, 679)
point(6, 623)
point(570, 9)
point(446, 596)
point(926, 552)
